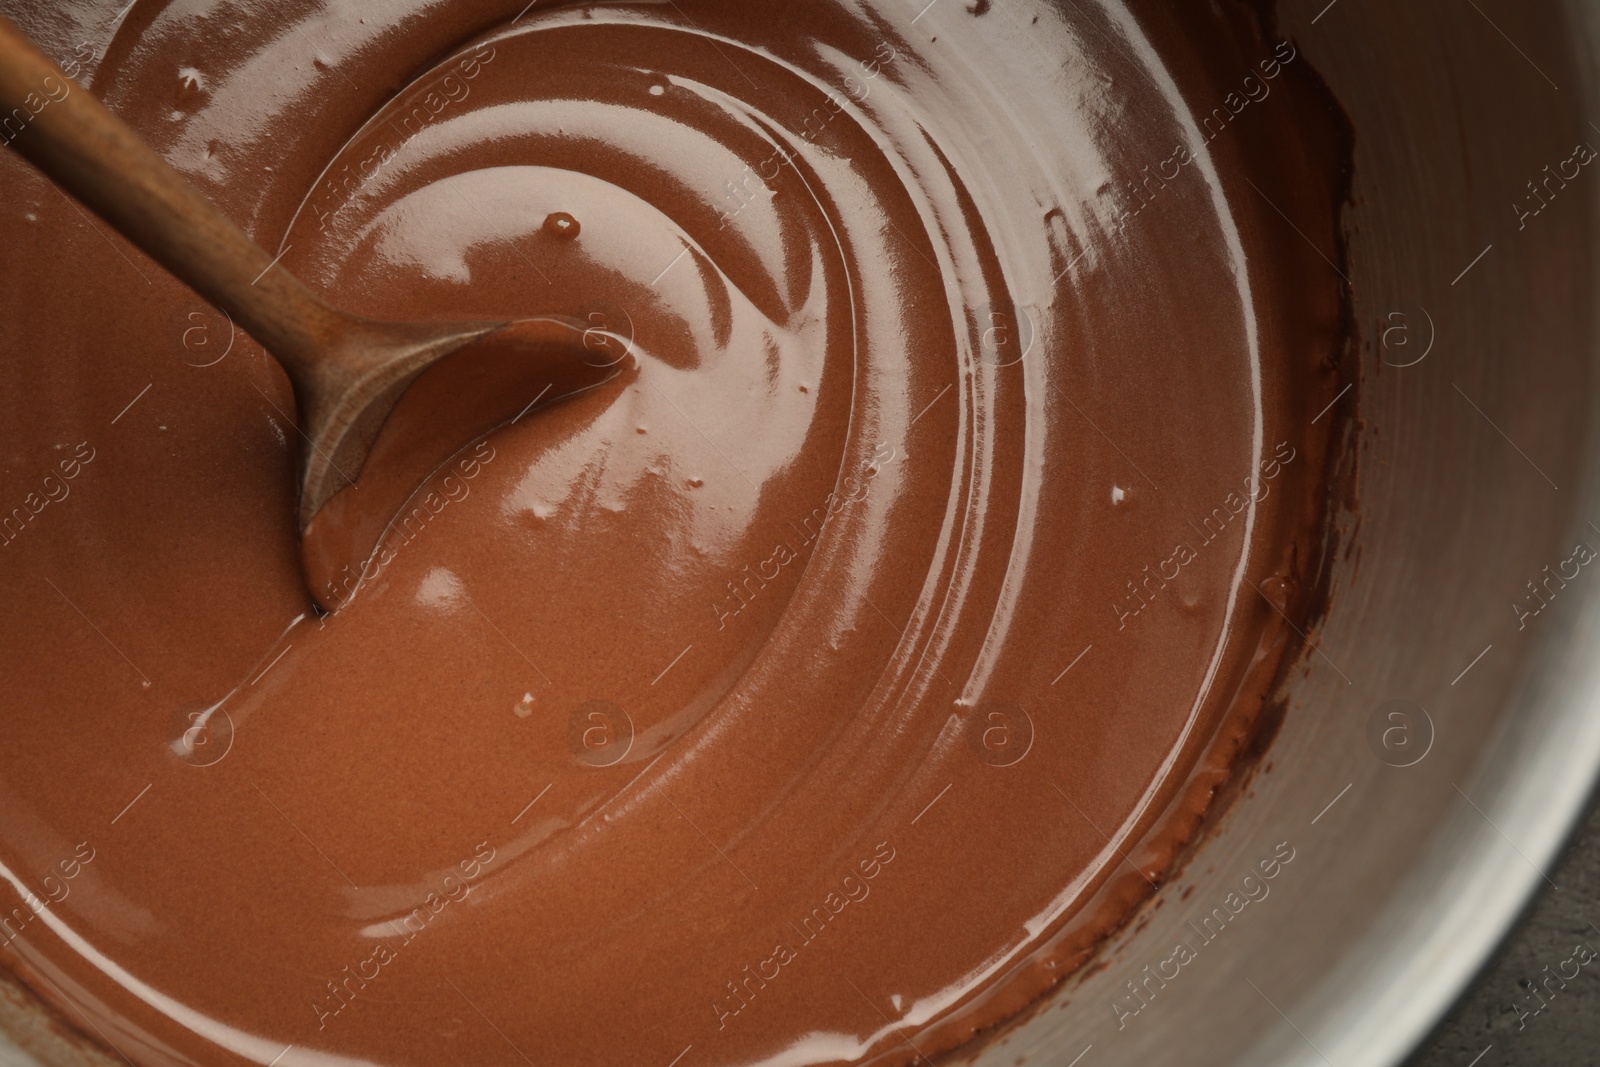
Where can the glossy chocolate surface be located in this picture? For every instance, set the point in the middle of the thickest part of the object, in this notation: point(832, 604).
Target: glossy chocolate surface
point(822, 689)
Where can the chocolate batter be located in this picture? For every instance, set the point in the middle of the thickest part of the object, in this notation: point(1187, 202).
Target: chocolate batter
point(823, 687)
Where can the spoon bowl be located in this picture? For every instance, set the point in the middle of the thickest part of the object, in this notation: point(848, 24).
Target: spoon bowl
point(444, 406)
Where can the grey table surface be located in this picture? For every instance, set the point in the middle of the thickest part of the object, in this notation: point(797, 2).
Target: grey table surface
point(1520, 1012)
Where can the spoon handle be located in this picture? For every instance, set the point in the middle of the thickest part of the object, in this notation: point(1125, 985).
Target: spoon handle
point(95, 156)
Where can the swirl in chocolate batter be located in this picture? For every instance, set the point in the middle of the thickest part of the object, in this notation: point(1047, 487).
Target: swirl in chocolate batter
point(933, 667)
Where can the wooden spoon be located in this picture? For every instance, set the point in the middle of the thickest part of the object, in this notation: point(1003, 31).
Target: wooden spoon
point(348, 372)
